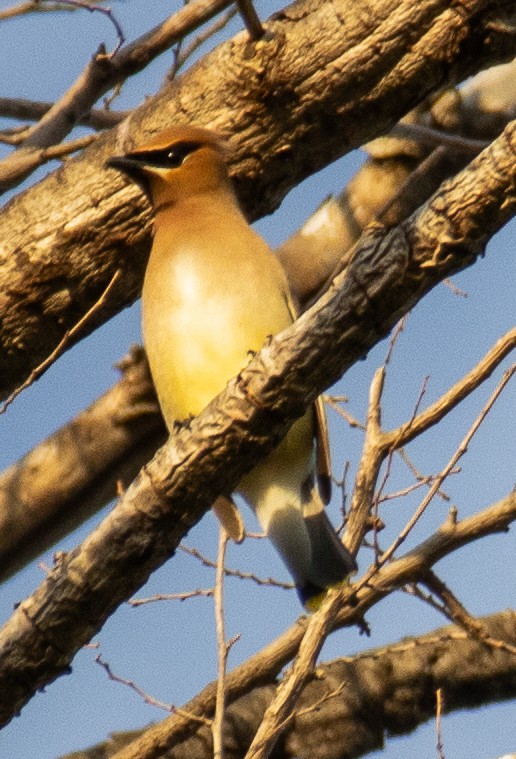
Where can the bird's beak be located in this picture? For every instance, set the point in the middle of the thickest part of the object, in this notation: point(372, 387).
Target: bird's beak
point(132, 168)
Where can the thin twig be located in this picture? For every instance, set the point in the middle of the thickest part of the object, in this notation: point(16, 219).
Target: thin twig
point(400, 326)
point(222, 649)
point(411, 488)
point(148, 698)
point(344, 496)
point(332, 402)
point(458, 614)
point(181, 55)
point(250, 19)
point(437, 137)
point(67, 337)
point(420, 477)
point(414, 590)
point(198, 593)
point(236, 572)
point(439, 709)
point(99, 9)
point(461, 450)
point(454, 289)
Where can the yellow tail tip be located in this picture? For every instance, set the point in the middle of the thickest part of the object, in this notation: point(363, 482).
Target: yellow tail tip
point(312, 601)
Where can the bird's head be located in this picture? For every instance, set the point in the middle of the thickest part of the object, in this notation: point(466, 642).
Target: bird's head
point(177, 163)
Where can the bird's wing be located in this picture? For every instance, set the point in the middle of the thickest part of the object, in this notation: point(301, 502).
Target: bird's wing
point(322, 451)
point(322, 445)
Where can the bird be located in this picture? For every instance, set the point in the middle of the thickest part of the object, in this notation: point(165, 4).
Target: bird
point(214, 292)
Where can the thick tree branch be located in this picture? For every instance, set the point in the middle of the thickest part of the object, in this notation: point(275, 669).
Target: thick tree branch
point(396, 684)
point(266, 665)
point(388, 274)
point(290, 107)
point(101, 74)
point(41, 497)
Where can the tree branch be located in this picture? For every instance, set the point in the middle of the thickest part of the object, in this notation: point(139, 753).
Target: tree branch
point(32, 110)
point(265, 666)
point(388, 274)
point(396, 683)
point(57, 257)
point(101, 74)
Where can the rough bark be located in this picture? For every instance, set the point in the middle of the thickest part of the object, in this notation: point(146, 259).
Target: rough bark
point(377, 694)
point(76, 471)
point(51, 490)
point(387, 275)
point(292, 102)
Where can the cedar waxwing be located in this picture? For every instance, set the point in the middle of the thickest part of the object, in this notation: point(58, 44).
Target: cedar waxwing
point(213, 292)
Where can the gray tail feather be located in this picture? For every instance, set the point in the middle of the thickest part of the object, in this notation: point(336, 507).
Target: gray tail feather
point(331, 562)
point(311, 550)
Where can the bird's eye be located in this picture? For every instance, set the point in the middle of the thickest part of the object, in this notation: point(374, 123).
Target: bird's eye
point(168, 158)
point(175, 158)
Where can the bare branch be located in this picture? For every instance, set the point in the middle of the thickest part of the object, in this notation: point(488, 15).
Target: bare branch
point(458, 614)
point(266, 664)
point(101, 74)
point(238, 573)
point(222, 649)
point(251, 20)
point(158, 597)
point(92, 7)
point(182, 481)
point(31, 110)
point(439, 711)
point(31, 6)
point(147, 698)
point(184, 54)
point(82, 238)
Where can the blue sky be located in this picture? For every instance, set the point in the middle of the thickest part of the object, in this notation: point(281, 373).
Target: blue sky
point(160, 646)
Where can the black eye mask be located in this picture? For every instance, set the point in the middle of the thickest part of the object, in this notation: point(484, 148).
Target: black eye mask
point(167, 157)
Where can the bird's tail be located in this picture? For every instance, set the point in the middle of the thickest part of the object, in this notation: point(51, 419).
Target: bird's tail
point(312, 552)
point(331, 562)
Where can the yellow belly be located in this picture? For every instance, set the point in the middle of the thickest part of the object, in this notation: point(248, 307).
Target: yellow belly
point(198, 336)
point(201, 320)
